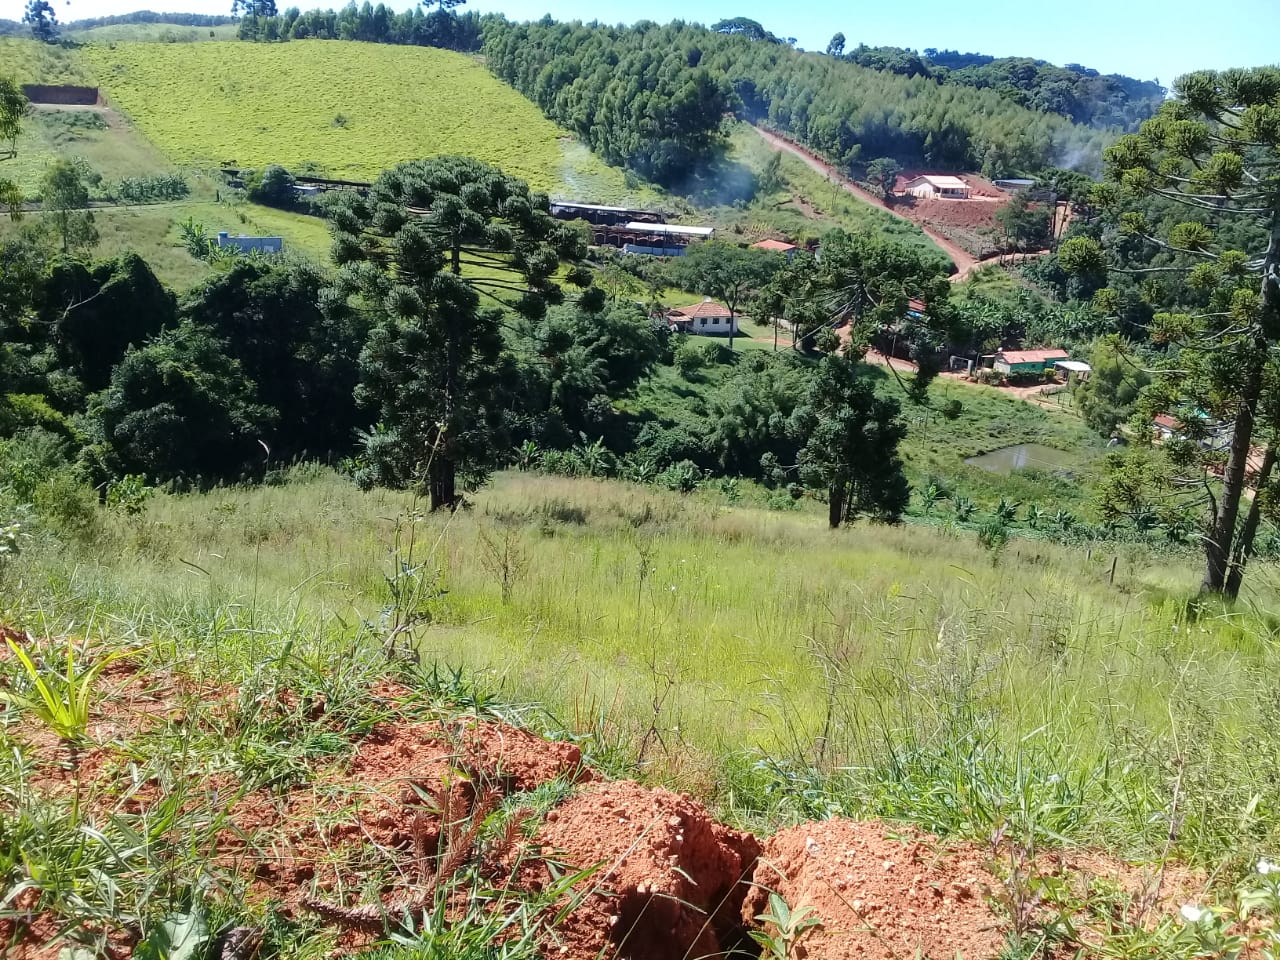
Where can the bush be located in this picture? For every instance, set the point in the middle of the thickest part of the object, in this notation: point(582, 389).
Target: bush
point(68, 506)
point(689, 357)
point(274, 188)
point(682, 477)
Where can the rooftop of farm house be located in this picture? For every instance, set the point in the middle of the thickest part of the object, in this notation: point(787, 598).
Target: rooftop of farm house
point(705, 310)
point(940, 181)
point(775, 246)
point(1032, 356)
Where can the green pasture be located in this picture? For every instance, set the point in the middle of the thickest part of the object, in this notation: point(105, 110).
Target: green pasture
point(349, 110)
point(755, 657)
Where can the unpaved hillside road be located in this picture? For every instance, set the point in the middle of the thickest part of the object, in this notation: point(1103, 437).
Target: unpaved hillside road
point(965, 262)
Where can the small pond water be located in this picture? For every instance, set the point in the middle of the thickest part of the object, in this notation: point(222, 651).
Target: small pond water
point(1026, 456)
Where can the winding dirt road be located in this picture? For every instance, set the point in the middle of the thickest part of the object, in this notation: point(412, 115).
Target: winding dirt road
point(965, 262)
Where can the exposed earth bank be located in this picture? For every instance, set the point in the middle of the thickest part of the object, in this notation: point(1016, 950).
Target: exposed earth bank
point(373, 839)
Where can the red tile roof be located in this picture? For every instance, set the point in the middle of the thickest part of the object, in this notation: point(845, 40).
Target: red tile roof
point(705, 310)
point(1168, 422)
point(775, 245)
point(1032, 356)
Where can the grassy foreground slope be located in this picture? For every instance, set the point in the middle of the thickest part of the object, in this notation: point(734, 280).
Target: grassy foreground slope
point(348, 109)
point(751, 656)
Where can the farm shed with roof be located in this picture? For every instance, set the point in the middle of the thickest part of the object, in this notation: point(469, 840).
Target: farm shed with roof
point(1020, 362)
point(938, 187)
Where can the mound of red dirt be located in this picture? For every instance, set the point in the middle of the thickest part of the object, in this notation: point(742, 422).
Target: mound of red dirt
point(669, 880)
point(879, 893)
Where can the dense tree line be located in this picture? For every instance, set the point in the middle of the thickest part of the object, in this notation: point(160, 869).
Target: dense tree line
point(149, 16)
point(1078, 93)
point(441, 27)
point(588, 77)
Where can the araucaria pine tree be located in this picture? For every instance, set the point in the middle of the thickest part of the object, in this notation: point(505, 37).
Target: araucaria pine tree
point(1213, 154)
point(437, 252)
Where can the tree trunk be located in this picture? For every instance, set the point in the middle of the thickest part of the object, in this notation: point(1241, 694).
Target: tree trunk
point(1217, 545)
point(443, 484)
point(732, 325)
point(1244, 539)
point(835, 505)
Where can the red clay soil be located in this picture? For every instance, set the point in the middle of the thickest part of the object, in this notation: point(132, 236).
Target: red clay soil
point(669, 883)
point(880, 893)
point(666, 880)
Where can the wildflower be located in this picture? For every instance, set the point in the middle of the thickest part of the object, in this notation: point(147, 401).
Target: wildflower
point(1193, 914)
point(1266, 866)
point(1055, 778)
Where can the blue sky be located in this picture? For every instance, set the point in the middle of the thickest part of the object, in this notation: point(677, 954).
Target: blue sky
point(1147, 39)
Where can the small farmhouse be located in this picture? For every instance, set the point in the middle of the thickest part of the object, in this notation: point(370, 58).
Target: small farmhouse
point(935, 187)
point(1013, 363)
point(250, 244)
point(788, 250)
point(705, 317)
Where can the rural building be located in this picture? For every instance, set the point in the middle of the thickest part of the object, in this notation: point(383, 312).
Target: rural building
point(788, 250)
point(936, 187)
point(1014, 184)
point(600, 215)
point(1013, 363)
point(705, 317)
point(251, 244)
point(662, 239)
point(1166, 427)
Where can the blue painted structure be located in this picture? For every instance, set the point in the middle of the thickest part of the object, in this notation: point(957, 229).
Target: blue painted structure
point(250, 244)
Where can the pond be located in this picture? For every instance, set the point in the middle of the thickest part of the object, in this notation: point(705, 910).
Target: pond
point(1026, 456)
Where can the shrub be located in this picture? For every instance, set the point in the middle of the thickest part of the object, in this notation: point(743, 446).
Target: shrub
point(682, 477)
point(68, 506)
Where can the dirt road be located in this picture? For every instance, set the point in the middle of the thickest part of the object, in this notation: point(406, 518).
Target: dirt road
point(965, 262)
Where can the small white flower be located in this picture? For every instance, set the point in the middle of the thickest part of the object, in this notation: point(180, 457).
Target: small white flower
point(1055, 778)
point(1192, 914)
point(673, 588)
point(1266, 866)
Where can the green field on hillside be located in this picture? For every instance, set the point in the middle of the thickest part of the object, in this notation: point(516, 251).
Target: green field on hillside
point(753, 656)
point(32, 62)
point(344, 109)
point(104, 139)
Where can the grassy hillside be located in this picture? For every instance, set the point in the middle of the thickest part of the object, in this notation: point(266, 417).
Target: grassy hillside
point(108, 142)
point(751, 656)
point(346, 109)
point(32, 62)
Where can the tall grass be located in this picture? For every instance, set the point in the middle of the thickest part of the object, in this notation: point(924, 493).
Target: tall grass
point(756, 657)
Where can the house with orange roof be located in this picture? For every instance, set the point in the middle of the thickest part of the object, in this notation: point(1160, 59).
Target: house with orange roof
point(709, 316)
point(788, 250)
point(1014, 363)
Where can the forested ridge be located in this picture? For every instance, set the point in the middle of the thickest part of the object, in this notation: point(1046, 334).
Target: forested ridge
point(1079, 93)
point(580, 73)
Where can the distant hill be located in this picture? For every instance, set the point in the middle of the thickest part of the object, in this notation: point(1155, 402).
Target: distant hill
point(1079, 93)
point(629, 90)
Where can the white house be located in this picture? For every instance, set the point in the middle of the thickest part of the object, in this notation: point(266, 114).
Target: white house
point(932, 187)
point(705, 317)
